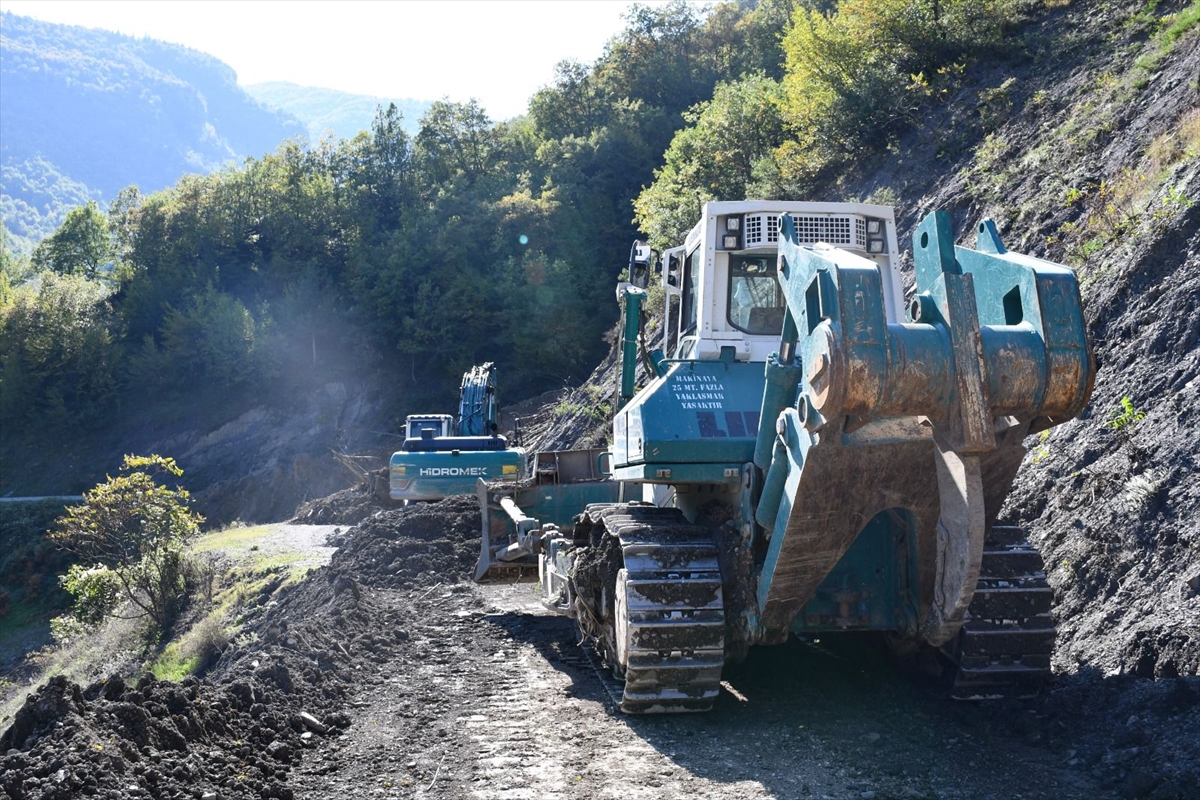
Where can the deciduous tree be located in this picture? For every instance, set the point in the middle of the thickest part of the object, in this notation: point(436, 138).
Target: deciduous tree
point(81, 246)
point(137, 528)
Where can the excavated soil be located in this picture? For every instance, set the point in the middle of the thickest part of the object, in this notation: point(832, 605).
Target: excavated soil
point(422, 684)
point(346, 507)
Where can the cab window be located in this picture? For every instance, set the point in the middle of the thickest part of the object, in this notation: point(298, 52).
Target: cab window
point(417, 427)
point(691, 273)
point(756, 303)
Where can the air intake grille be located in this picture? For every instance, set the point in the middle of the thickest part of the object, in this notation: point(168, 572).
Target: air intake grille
point(841, 230)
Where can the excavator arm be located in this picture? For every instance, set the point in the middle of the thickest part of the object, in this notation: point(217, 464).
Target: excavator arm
point(477, 402)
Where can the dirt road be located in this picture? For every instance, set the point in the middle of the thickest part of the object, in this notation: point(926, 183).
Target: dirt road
point(491, 698)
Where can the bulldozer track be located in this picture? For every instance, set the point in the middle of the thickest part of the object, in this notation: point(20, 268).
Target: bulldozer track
point(1005, 645)
point(667, 626)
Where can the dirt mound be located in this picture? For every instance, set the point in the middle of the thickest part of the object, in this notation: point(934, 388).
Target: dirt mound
point(422, 543)
point(157, 739)
point(348, 506)
point(240, 731)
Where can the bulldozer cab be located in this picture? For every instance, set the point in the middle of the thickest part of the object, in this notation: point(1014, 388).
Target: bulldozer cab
point(721, 285)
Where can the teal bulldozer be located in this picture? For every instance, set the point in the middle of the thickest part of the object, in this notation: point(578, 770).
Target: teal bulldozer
point(811, 453)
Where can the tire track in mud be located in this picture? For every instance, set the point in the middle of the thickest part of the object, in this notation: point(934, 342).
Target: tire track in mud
point(516, 745)
point(512, 755)
point(807, 720)
point(490, 698)
point(552, 729)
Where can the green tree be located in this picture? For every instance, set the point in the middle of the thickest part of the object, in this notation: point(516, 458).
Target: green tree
point(212, 338)
point(81, 246)
point(138, 529)
point(122, 223)
point(858, 76)
point(726, 153)
point(15, 267)
point(758, 47)
point(571, 106)
point(374, 174)
point(58, 359)
point(456, 139)
point(659, 57)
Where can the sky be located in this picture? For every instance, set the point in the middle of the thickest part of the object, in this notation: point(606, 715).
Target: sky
point(499, 52)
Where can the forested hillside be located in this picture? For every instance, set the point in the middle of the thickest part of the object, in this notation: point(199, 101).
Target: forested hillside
point(152, 111)
point(328, 111)
point(384, 264)
point(347, 283)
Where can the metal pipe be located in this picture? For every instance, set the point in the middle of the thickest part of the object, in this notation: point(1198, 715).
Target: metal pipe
point(514, 511)
point(772, 493)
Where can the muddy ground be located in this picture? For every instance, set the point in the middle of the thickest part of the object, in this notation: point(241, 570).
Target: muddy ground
point(420, 683)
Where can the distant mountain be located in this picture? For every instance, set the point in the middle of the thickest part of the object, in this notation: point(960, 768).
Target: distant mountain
point(85, 112)
point(324, 110)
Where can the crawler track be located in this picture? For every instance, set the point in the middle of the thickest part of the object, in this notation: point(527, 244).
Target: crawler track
point(1004, 648)
point(665, 628)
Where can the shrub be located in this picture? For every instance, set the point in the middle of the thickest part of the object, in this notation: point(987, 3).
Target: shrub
point(1126, 416)
point(136, 529)
point(95, 590)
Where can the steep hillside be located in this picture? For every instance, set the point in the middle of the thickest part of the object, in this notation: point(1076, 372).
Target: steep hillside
point(1084, 145)
point(328, 110)
point(1090, 155)
point(89, 107)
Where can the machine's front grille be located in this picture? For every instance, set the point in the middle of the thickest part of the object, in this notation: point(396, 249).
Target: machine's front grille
point(840, 230)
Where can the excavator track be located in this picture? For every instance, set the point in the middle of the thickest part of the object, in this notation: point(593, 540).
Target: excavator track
point(1004, 647)
point(665, 628)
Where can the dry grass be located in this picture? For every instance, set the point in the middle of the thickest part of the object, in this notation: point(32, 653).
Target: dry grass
point(115, 646)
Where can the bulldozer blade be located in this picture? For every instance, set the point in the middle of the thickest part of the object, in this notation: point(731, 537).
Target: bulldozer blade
point(494, 540)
